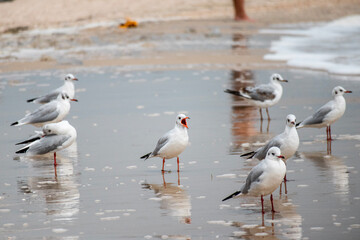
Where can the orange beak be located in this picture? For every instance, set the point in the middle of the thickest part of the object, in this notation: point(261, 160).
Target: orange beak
point(184, 123)
point(74, 100)
point(75, 79)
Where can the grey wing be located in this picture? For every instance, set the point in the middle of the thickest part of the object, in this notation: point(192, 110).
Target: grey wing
point(45, 113)
point(162, 141)
point(48, 97)
point(254, 176)
point(261, 93)
point(48, 144)
point(318, 116)
point(261, 152)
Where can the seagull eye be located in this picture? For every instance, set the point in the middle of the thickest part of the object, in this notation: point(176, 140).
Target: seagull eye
point(273, 154)
point(341, 90)
point(179, 118)
point(335, 92)
point(49, 131)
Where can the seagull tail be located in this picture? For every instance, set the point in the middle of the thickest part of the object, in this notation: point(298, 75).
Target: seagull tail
point(28, 141)
point(23, 150)
point(298, 125)
point(15, 124)
point(249, 154)
point(146, 156)
point(232, 195)
point(31, 100)
point(237, 93)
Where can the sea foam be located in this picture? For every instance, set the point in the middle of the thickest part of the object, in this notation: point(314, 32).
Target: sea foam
point(331, 46)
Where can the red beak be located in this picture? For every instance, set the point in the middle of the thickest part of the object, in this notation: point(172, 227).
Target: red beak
point(281, 156)
point(75, 79)
point(184, 123)
point(348, 91)
point(74, 100)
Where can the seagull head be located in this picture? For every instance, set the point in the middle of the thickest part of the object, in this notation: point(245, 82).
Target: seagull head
point(277, 78)
point(339, 91)
point(181, 120)
point(56, 128)
point(274, 153)
point(64, 97)
point(70, 77)
point(291, 120)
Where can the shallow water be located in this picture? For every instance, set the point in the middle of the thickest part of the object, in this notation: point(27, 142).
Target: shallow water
point(103, 190)
point(330, 46)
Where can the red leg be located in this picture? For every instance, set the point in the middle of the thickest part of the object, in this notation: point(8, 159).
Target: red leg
point(285, 187)
point(178, 164)
point(55, 159)
point(272, 203)
point(163, 165)
point(262, 204)
point(280, 188)
point(330, 133)
point(178, 178)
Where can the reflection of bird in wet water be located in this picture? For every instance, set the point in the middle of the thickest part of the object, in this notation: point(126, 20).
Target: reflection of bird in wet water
point(264, 178)
point(67, 88)
point(334, 165)
point(288, 223)
point(172, 143)
point(51, 112)
point(57, 196)
point(264, 95)
point(287, 141)
point(328, 113)
point(56, 136)
point(173, 198)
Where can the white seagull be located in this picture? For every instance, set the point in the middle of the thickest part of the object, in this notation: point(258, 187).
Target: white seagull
point(55, 137)
point(172, 143)
point(264, 95)
point(287, 141)
point(67, 88)
point(328, 113)
point(264, 178)
point(54, 111)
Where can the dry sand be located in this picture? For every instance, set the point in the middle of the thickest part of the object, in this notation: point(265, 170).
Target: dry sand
point(42, 14)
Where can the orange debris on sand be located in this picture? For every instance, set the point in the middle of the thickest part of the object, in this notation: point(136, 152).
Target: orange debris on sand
point(128, 24)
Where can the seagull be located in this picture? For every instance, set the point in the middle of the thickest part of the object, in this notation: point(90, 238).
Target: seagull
point(328, 113)
point(54, 111)
point(55, 137)
point(264, 178)
point(172, 143)
point(264, 95)
point(287, 141)
point(68, 88)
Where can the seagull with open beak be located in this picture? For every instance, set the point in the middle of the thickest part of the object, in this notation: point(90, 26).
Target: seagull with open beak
point(172, 143)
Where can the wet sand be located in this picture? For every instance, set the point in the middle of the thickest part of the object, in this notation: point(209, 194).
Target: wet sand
point(128, 100)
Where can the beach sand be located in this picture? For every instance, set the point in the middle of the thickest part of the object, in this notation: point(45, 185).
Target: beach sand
point(129, 94)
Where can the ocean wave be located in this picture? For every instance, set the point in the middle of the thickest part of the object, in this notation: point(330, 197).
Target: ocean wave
point(332, 46)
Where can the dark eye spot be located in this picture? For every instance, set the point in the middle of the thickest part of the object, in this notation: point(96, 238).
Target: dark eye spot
point(341, 90)
point(179, 118)
point(49, 131)
point(63, 97)
point(273, 154)
point(335, 92)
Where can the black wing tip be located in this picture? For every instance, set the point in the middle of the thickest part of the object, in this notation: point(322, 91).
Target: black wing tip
point(298, 124)
point(232, 92)
point(31, 100)
point(146, 156)
point(23, 150)
point(15, 123)
point(232, 195)
point(247, 154)
point(28, 141)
